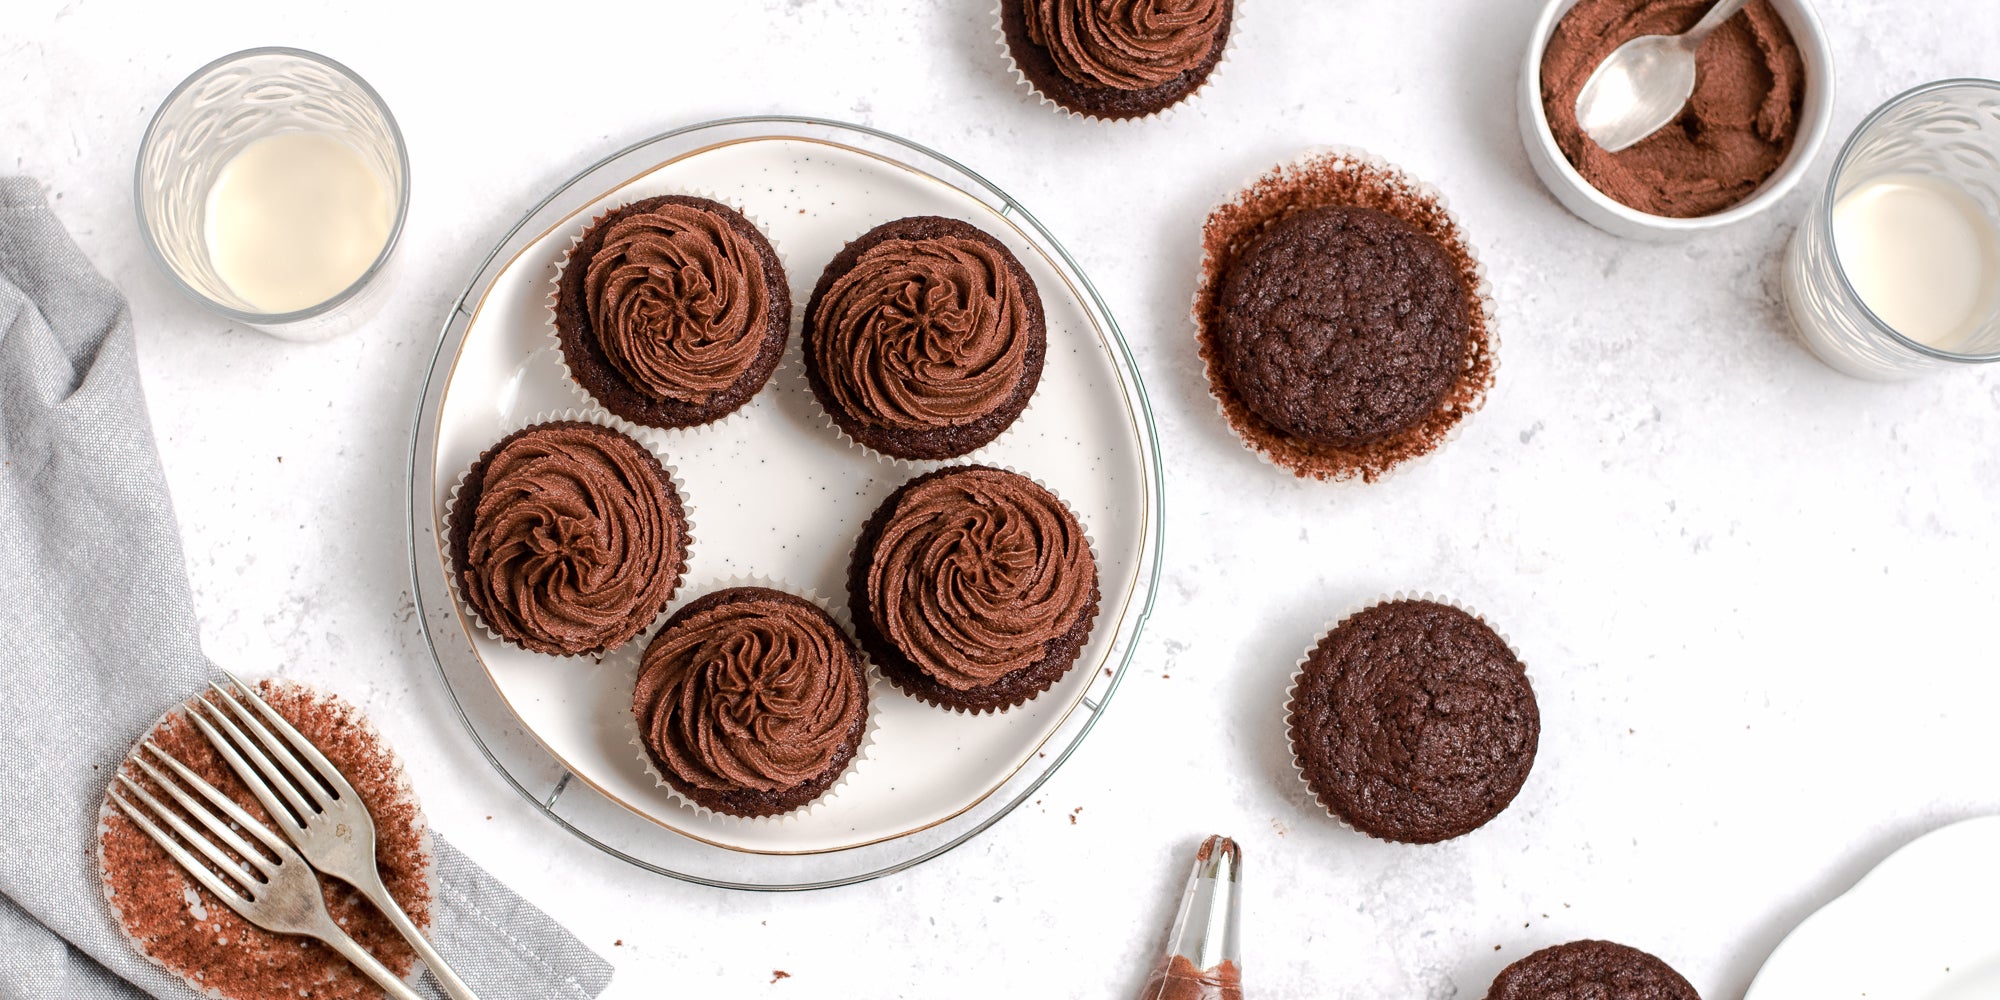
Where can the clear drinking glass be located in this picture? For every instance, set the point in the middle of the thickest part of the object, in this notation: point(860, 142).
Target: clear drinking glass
point(215, 113)
point(1946, 132)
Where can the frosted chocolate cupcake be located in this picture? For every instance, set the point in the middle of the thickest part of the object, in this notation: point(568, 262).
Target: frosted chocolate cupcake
point(924, 338)
point(1413, 721)
point(1601, 970)
point(1125, 59)
point(567, 538)
point(751, 701)
point(672, 311)
point(973, 588)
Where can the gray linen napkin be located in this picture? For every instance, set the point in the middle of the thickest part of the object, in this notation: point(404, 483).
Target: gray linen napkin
point(98, 636)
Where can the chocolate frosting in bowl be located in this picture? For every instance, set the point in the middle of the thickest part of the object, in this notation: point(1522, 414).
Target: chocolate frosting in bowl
point(750, 690)
point(576, 539)
point(1735, 132)
point(678, 301)
point(976, 572)
point(1125, 44)
point(923, 333)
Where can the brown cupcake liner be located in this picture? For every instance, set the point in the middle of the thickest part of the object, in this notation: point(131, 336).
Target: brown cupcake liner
point(794, 369)
point(1163, 115)
point(627, 670)
point(610, 421)
point(1299, 670)
point(1089, 540)
point(576, 387)
point(1384, 181)
point(404, 792)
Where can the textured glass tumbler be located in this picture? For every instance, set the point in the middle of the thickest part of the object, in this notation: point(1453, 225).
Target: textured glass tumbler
point(209, 119)
point(1948, 132)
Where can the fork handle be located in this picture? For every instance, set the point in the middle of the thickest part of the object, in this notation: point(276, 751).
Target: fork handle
point(353, 952)
point(454, 987)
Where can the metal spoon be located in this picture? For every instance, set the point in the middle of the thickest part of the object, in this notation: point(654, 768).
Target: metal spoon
point(1642, 85)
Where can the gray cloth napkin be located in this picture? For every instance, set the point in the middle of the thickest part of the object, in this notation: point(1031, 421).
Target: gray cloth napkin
point(98, 637)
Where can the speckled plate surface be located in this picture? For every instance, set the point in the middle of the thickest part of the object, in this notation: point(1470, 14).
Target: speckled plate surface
point(777, 493)
point(1924, 925)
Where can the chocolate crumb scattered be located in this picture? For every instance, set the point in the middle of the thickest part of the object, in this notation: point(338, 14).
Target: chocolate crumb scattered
point(178, 924)
point(1335, 179)
point(620, 943)
point(777, 974)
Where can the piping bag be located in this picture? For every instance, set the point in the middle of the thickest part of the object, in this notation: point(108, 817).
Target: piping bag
point(1202, 961)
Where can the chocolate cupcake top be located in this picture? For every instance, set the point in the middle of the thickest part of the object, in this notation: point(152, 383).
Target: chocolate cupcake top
point(575, 538)
point(1341, 325)
point(1126, 44)
point(750, 689)
point(1590, 970)
point(1414, 722)
point(975, 572)
point(923, 333)
point(677, 299)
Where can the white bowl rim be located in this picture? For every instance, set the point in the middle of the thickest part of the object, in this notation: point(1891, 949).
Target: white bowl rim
point(1817, 53)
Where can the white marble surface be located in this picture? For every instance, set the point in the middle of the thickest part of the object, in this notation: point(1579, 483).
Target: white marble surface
point(1758, 599)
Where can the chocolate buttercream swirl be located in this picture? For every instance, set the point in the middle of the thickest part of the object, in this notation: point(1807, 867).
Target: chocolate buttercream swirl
point(756, 694)
point(677, 299)
point(924, 333)
point(976, 572)
point(1125, 44)
point(574, 544)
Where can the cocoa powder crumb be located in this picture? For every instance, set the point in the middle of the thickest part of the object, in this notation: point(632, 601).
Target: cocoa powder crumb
point(777, 974)
point(1320, 181)
point(196, 936)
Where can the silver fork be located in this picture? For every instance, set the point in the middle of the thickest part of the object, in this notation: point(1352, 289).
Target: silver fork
point(313, 804)
point(281, 895)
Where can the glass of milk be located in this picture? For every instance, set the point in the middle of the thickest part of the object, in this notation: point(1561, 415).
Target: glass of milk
point(271, 187)
point(1896, 270)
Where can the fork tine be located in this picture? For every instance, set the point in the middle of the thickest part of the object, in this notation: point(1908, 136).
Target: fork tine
point(265, 782)
point(325, 769)
point(257, 828)
point(267, 735)
point(192, 837)
point(228, 836)
point(208, 879)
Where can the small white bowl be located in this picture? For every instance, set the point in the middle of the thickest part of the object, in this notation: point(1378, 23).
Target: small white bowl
point(1598, 209)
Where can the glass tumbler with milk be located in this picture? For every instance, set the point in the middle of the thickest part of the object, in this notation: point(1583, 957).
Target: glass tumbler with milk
point(1896, 270)
point(271, 186)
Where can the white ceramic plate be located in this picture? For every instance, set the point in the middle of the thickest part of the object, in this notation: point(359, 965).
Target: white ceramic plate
point(1924, 925)
point(774, 493)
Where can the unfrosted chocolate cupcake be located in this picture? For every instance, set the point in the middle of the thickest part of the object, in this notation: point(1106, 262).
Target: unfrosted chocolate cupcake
point(1342, 325)
point(1412, 721)
point(1598, 970)
point(751, 701)
point(568, 538)
point(1341, 317)
point(672, 311)
point(1127, 59)
point(973, 588)
point(924, 338)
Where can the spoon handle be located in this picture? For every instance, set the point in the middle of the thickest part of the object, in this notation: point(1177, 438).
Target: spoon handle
point(1722, 11)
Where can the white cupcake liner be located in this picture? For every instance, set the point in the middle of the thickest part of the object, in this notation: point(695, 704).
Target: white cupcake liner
point(404, 792)
point(629, 659)
point(819, 415)
point(1163, 115)
point(609, 421)
point(1352, 160)
point(555, 291)
point(1299, 669)
point(1096, 562)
